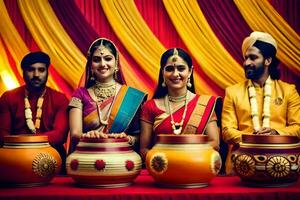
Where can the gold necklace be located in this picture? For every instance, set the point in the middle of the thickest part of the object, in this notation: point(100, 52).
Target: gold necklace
point(28, 113)
point(177, 99)
point(177, 126)
point(103, 91)
point(112, 88)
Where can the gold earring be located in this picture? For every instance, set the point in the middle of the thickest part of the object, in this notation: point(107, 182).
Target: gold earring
point(163, 83)
point(189, 85)
point(92, 78)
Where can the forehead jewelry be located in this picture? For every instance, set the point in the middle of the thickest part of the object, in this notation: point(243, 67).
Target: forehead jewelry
point(175, 56)
point(101, 47)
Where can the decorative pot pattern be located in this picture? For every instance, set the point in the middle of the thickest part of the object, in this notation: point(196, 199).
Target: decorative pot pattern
point(28, 160)
point(267, 161)
point(185, 161)
point(106, 163)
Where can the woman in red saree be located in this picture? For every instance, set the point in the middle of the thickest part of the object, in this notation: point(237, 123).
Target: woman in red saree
point(175, 108)
point(94, 108)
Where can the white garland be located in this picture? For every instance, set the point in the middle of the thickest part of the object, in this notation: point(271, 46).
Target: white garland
point(266, 106)
point(28, 113)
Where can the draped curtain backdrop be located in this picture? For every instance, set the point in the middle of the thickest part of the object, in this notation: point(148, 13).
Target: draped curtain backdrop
point(211, 31)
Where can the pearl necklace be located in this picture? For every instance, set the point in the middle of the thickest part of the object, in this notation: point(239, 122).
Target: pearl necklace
point(176, 126)
point(266, 106)
point(28, 113)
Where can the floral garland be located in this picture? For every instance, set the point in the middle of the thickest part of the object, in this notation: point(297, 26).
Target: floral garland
point(266, 106)
point(28, 113)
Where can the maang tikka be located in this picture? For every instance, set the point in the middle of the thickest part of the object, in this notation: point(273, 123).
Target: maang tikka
point(175, 55)
point(101, 47)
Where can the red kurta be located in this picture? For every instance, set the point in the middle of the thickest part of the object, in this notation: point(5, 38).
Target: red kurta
point(54, 122)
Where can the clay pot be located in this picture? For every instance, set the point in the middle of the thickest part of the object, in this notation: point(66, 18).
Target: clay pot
point(28, 160)
point(267, 161)
point(185, 161)
point(105, 163)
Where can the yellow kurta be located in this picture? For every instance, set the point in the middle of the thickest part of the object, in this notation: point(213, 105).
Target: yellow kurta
point(284, 109)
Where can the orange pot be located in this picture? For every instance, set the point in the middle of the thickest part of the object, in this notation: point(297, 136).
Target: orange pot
point(28, 160)
point(183, 161)
point(267, 160)
point(105, 163)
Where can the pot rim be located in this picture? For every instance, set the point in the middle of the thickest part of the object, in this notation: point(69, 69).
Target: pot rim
point(269, 139)
point(25, 138)
point(103, 140)
point(182, 139)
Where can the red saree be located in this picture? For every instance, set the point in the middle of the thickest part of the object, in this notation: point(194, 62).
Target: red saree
point(200, 111)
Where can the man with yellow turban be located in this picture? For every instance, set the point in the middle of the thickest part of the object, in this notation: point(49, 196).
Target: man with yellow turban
point(262, 104)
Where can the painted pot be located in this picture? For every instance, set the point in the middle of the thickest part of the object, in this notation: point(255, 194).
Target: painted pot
point(106, 163)
point(184, 161)
point(267, 161)
point(28, 160)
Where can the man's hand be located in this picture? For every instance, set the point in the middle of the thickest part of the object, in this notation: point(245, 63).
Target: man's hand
point(266, 131)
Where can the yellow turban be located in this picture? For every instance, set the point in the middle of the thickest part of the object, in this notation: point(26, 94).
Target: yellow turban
point(257, 36)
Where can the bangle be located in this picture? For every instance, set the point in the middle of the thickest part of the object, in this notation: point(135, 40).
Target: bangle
point(131, 140)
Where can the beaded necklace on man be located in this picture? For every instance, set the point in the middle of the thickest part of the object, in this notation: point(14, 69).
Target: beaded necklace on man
point(103, 91)
point(266, 106)
point(28, 113)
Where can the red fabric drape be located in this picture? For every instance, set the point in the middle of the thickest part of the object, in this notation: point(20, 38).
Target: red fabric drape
point(16, 17)
point(94, 15)
point(63, 188)
point(289, 10)
point(158, 20)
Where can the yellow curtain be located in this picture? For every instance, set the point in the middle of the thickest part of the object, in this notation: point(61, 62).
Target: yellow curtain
point(134, 34)
point(7, 77)
point(132, 79)
point(51, 37)
point(261, 16)
point(138, 39)
point(196, 33)
point(14, 42)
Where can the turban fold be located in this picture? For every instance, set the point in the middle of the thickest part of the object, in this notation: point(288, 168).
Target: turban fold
point(263, 41)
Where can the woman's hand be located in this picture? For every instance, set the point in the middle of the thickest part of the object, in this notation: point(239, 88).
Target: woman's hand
point(94, 134)
point(131, 139)
point(118, 135)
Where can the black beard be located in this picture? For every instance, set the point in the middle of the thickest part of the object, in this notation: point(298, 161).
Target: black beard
point(254, 73)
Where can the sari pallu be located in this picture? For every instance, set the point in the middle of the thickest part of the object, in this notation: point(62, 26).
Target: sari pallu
point(120, 110)
point(200, 110)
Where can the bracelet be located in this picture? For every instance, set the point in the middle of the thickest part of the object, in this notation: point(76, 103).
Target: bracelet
point(131, 140)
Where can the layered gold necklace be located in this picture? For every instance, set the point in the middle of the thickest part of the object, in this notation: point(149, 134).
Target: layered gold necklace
point(177, 126)
point(266, 106)
point(103, 91)
point(28, 113)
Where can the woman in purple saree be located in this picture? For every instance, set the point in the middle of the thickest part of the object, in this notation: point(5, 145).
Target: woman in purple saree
point(105, 105)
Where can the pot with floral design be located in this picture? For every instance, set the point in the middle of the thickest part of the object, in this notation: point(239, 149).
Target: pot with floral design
point(183, 161)
point(104, 163)
point(28, 160)
point(267, 160)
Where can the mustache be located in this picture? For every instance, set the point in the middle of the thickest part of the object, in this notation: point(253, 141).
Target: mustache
point(249, 67)
point(35, 79)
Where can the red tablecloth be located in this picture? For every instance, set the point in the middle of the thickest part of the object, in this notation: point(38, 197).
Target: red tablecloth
point(145, 189)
